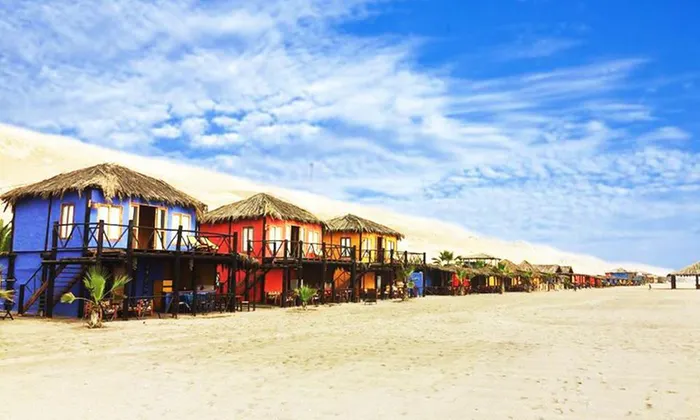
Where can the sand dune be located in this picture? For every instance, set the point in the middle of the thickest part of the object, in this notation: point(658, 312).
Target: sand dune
point(27, 156)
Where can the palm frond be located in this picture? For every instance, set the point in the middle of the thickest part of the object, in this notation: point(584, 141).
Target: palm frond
point(7, 295)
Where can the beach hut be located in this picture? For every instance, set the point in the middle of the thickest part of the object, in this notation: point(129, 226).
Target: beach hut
point(280, 237)
point(512, 276)
point(619, 277)
point(537, 278)
point(114, 217)
point(376, 252)
point(691, 271)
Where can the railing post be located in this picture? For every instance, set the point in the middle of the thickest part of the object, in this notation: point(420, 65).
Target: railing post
point(129, 270)
point(300, 264)
point(286, 248)
point(193, 277)
point(52, 272)
point(100, 240)
point(391, 257)
point(176, 271)
point(20, 308)
point(405, 257)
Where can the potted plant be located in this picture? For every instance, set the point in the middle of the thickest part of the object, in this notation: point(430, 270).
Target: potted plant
point(305, 294)
point(96, 284)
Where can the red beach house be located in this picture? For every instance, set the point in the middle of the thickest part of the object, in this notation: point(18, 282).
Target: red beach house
point(268, 230)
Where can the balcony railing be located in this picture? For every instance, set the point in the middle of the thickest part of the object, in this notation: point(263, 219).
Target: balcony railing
point(105, 236)
point(280, 250)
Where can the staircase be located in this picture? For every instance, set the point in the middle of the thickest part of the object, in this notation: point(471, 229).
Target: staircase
point(67, 276)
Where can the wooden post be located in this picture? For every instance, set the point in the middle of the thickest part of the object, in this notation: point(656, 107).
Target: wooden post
point(425, 263)
point(176, 272)
point(193, 278)
point(697, 282)
point(129, 270)
point(20, 299)
point(673, 281)
point(300, 266)
point(100, 240)
point(285, 286)
point(52, 272)
point(353, 269)
point(233, 272)
point(324, 268)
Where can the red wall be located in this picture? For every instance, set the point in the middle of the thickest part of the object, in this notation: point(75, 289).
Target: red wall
point(273, 279)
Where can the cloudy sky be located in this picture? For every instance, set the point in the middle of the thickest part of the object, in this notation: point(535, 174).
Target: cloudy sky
point(571, 123)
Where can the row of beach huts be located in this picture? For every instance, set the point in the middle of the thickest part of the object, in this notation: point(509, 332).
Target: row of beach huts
point(257, 251)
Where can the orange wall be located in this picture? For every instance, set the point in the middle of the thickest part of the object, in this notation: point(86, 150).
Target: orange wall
point(333, 238)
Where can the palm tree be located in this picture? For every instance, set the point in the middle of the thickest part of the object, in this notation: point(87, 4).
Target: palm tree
point(96, 283)
point(305, 293)
point(462, 274)
point(405, 280)
point(5, 230)
point(445, 258)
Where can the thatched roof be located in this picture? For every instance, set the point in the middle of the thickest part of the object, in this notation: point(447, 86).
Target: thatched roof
point(510, 266)
point(691, 270)
point(479, 256)
point(356, 224)
point(527, 267)
point(113, 180)
point(549, 268)
point(259, 206)
point(566, 269)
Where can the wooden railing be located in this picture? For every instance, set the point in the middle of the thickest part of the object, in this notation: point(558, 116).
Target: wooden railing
point(281, 250)
point(105, 236)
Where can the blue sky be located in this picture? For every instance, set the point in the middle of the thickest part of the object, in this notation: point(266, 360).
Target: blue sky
point(570, 123)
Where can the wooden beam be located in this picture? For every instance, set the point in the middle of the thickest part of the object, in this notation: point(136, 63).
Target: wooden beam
point(129, 270)
point(176, 273)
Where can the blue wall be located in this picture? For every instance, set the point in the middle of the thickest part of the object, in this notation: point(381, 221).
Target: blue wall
point(417, 278)
point(98, 198)
point(32, 218)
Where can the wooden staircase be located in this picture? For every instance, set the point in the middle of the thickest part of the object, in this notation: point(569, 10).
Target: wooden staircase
point(67, 276)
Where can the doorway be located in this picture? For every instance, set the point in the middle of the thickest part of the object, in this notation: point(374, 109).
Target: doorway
point(294, 241)
point(144, 220)
point(380, 249)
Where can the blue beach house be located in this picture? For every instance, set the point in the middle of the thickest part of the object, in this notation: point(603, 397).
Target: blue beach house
point(111, 216)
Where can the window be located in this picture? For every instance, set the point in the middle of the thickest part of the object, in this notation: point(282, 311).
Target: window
point(181, 219)
point(247, 244)
point(274, 235)
point(67, 219)
point(112, 218)
point(346, 247)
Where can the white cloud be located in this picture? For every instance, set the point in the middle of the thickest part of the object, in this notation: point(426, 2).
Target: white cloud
point(664, 134)
point(166, 131)
point(194, 127)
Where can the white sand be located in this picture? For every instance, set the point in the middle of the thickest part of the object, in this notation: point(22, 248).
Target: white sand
point(27, 157)
point(592, 354)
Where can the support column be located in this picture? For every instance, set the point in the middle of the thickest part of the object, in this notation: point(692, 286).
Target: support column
point(193, 282)
point(697, 282)
point(673, 281)
point(48, 304)
point(129, 271)
point(353, 271)
point(324, 268)
point(176, 272)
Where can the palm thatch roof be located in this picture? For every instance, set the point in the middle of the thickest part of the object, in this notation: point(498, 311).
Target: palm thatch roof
point(356, 224)
point(549, 268)
point(259, 206)
point(510, 266)
point(480, 256)
point(529, 268)
point(567, 269)
point(691, 270)
point(114, 181)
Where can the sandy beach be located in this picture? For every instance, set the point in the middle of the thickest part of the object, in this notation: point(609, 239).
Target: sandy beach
point(603, 354)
